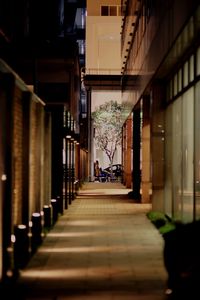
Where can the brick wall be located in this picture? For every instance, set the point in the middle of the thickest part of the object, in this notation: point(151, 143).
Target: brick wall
point(17, 156)
point(37, 161)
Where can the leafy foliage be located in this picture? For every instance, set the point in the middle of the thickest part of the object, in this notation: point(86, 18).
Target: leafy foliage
point(108, 121)
point(161, 221)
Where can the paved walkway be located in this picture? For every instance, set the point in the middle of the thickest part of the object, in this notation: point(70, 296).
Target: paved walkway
point(102, 248)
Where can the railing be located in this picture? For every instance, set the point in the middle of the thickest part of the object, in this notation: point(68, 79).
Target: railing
point(102, 71)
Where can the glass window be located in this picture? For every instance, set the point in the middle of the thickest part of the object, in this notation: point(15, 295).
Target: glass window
point(185, 74)
point(168, 163)
point(191, 28)
point(188, 155)
point(104, 11)
point(197, 151)
point(180, 80)
point(113, 10)
point(192, 68)
point(119, 8)
point(171, 89)
point(177, 158)
point(198, 61)
point(175, 84)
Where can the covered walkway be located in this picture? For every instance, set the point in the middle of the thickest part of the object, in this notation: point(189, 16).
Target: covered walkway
point(103, 247)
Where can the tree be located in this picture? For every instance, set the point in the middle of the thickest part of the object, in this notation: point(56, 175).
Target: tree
point(108, 120)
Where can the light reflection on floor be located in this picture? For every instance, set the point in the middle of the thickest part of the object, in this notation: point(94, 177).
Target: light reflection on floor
point(105, 192)
point(95, 256)
point(81, 234)
point(93, 249)
point(98, 272)
point(86, 222)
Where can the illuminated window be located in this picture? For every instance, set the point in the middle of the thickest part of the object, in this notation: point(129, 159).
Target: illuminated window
point(191, 68)
point(110, 10)
point(113, 10)
point(175, 84)
point(185, 74)
point(180, 80)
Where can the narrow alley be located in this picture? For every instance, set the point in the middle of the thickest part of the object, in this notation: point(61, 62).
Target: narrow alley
point(102, 247)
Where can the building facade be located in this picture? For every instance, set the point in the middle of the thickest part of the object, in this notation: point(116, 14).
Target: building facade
point(43, 122)
point(160, 75)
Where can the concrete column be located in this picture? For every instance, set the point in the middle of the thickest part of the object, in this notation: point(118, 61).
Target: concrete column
point(146, 181)
point(128, 152)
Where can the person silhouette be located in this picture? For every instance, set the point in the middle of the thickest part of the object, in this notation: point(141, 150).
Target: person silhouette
point(97, 170)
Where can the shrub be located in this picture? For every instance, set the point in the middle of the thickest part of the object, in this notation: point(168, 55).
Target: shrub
point(161, 221)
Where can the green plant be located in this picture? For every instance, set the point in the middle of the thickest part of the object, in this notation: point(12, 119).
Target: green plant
point(161, 221)
point(167, 228)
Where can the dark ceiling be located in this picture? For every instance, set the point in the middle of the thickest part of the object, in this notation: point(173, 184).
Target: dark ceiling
point(40, 20)
point(43, 41)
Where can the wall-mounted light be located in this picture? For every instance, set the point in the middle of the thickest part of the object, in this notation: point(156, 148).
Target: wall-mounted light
point(36, 215)
point(3, 177)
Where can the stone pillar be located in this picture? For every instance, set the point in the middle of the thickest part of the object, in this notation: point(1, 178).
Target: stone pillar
point(145, 176)
point(128, 152)
point(136, 155)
